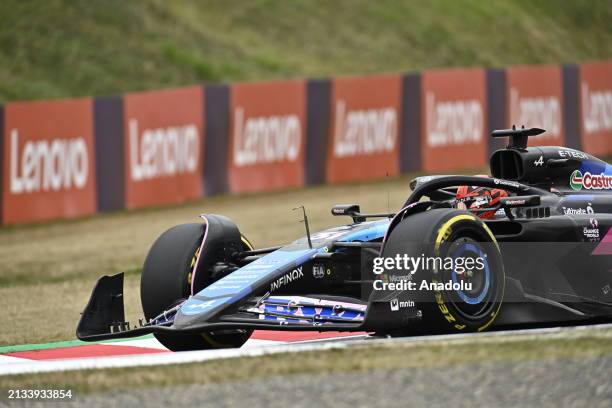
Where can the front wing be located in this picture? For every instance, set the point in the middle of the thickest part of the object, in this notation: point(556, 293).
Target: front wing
point(104, 316)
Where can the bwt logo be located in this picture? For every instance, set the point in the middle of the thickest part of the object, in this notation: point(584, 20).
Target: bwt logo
point(364, 131)
point(453, 122)
point(266, 139)
point(163, 152)
point(543, 111)
point(596, 110)
point(48, 165)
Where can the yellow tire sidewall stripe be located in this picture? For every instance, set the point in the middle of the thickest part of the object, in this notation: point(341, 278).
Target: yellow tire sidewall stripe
point(442, 232)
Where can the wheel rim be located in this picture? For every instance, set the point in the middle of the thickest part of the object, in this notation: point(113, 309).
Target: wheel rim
point(478, 301)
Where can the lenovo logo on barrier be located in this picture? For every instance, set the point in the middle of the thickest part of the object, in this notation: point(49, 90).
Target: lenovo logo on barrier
point(453, 122)
point(596, 110)
point(265, 139)
point(364, 131)
point(542, 111)
point(163, 152)
point(48, 165)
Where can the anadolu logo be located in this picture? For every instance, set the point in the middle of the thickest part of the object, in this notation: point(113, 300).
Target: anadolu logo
point(589, 181)
point(576, 180)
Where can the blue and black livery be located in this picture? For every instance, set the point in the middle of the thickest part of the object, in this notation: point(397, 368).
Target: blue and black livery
point(547, 262)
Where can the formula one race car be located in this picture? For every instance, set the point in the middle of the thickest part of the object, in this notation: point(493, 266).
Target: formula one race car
point(528, 246)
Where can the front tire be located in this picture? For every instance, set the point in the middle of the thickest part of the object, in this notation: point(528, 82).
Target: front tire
point(166, 281)
point(443, 234)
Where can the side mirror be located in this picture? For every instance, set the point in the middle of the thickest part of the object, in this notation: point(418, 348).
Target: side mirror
point(351, 210)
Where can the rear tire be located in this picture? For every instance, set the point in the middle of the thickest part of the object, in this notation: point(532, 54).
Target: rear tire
point(166, 281)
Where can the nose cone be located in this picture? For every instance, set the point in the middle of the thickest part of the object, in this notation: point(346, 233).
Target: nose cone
point(197, 310)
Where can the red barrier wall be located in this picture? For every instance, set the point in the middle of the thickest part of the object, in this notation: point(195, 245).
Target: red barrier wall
point(149, 147)
point(596, 107)
point(48, 161)
point(453, 119)
point(364, 132)
point(534, 97)
point(267, 136)
point(163, 132)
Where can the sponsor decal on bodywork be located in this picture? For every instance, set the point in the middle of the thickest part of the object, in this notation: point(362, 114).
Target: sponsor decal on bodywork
point(318, 271)
point(578, 210)
point(396, 304)
point(572, 154)
point(590, 181)
point(507, 183)
point(287, 278)
point(591, 232)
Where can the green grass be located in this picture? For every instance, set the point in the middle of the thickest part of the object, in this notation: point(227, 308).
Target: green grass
point(61, 48)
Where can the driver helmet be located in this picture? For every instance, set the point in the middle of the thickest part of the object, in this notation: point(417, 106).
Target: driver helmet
point(476, 199)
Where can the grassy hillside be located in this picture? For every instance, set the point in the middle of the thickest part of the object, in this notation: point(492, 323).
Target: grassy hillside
point(58, 48)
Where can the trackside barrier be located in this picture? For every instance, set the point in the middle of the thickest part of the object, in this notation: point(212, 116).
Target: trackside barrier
point(267, 136)
point(150, 148)
point(496, 107)
point(534, 97)
point(164, 146)
point(453, 119)
point(48, 160)
point(74, 157)
point(364, 141)
point(411, 127)
point(110, 153)
point(595, 102)
point(317, 129)
point(571, 110)
point(217, 140)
